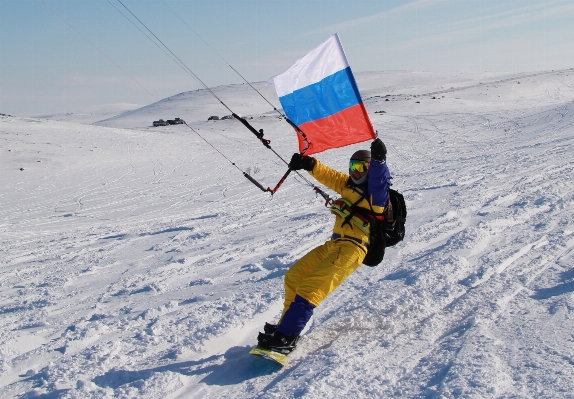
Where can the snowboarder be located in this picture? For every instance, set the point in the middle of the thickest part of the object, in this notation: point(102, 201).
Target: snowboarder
point(317, 274)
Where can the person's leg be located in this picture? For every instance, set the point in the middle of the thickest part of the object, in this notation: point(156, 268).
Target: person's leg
point(299, 270)
point(272, 338)
point(342, 259)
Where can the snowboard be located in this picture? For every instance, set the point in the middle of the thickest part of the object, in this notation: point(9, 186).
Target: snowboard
point(277, 357)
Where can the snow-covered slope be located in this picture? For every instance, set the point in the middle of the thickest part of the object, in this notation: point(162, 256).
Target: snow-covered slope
point(91, 114)
point(136, 262)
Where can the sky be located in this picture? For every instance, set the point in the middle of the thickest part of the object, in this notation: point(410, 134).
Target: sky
point(60, 56)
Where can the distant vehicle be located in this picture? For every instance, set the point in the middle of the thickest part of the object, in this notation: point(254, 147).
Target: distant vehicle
point(161, 122)
point(213, 118)
point(176, 121)
point(227, 117)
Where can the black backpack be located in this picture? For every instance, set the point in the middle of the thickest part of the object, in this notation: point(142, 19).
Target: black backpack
point(386, 233)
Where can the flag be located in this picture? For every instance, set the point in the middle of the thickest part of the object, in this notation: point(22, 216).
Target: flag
point(319, 95)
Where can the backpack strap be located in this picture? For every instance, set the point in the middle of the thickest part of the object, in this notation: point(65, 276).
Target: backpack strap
point(354, 210)
point(362, 211)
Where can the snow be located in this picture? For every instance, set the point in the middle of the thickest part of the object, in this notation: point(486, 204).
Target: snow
point(92, 114)
point(136, 262)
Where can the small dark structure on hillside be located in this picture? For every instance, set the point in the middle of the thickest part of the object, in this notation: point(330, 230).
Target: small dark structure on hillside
point(176, 121)
point(160, 122)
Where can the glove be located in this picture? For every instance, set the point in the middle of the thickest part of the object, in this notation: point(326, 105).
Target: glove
point(299, 162)
point(378, 151)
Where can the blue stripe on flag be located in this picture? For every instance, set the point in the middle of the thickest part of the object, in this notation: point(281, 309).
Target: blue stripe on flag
point(327, 97)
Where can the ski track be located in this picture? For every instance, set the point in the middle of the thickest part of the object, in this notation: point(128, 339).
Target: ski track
point(138, 263)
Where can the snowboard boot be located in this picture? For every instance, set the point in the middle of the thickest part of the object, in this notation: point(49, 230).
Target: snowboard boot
point(270, 328)
point(277, 342)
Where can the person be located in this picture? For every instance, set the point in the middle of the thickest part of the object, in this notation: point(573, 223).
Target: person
point(317, 274)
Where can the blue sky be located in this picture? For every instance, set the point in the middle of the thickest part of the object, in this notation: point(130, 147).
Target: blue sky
point(46, 66)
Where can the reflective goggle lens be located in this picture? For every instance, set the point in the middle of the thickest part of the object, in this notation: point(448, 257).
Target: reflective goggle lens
point(359, 166)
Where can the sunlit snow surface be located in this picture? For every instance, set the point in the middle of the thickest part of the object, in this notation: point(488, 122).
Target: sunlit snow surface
point(136, 262)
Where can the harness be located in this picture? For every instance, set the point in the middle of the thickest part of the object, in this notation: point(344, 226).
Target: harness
point(352, 213)
point(344, 237)
point(347, 211)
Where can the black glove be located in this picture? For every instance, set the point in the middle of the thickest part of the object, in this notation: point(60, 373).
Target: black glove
point(378, 150)
point(299, 161)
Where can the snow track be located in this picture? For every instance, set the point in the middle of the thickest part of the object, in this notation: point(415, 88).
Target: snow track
point(136, 262)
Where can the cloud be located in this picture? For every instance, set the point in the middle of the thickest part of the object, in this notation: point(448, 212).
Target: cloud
point(470, 29)
point(521, 15)
point(414, 6)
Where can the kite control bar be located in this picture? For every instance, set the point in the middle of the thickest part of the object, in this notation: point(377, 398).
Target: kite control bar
point(268, 189)
point(258, 134)
point(267, 143)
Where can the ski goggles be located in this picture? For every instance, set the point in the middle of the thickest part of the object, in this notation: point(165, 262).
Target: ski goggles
point(359, 166)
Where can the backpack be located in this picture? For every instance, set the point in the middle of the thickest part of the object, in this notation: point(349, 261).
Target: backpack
point(395, 229)
point(387, 232)
point(383, 232)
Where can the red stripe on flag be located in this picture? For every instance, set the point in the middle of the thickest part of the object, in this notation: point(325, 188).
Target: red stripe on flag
point(349, 126)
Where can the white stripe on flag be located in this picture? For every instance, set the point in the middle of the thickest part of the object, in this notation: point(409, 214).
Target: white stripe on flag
point(319, 63)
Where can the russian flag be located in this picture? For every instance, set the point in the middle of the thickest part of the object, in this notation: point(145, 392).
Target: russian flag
point(319, 95)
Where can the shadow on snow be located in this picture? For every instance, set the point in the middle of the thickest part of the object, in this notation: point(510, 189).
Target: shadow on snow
point(237, 366)
point(560, 289)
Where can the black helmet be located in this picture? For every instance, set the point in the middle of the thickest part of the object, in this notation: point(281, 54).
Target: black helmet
point(361, 155)
point(364, 156)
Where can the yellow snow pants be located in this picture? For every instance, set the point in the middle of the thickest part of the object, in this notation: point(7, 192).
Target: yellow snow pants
point(321, 271)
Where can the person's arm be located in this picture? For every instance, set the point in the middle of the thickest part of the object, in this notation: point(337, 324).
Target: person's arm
point(331, 178)
point(379, 174)
point(379, 182)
